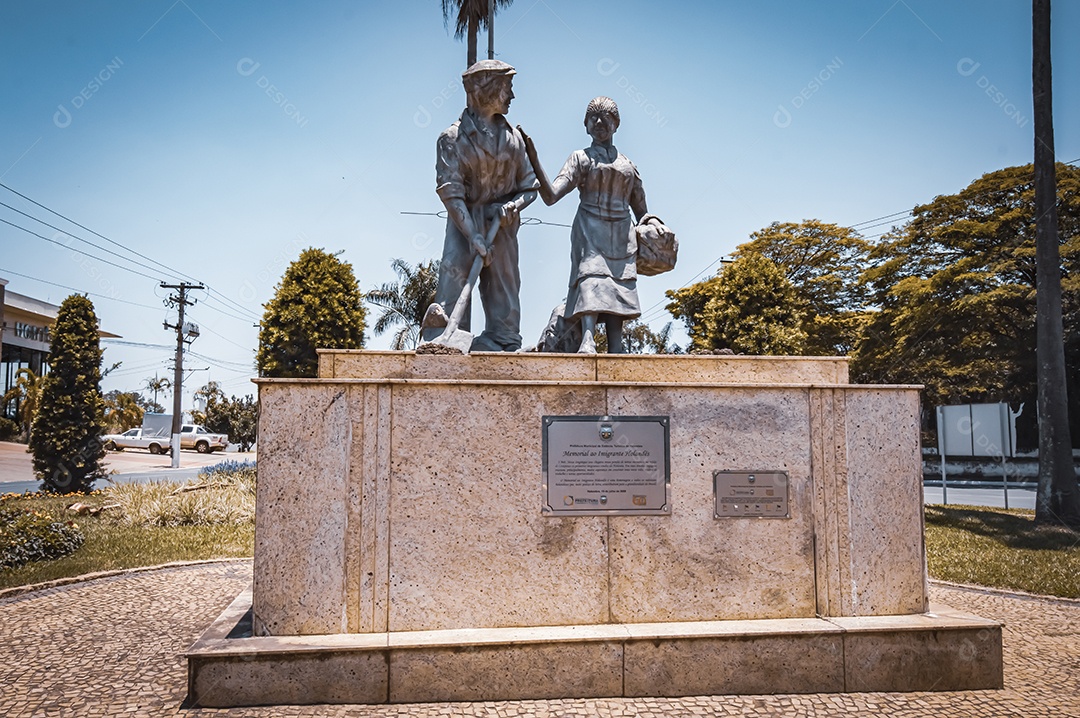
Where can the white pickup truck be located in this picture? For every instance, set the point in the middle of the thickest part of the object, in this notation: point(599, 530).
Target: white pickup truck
point(192, 436)
point(137, 438)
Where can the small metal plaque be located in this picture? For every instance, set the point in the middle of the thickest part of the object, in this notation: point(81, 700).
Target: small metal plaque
point(606, 465)
point(742, 494)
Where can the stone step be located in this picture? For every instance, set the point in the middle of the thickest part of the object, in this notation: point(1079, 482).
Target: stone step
point(935, 651)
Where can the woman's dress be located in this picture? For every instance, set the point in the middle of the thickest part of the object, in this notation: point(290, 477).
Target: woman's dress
point(603, 246)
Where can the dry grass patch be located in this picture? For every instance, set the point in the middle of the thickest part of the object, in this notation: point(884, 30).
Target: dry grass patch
point(149, 524)
point(217, 499)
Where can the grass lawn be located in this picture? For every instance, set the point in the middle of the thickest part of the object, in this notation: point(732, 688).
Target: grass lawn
point(111, 544)
point(1003, 549)
point(964, 544)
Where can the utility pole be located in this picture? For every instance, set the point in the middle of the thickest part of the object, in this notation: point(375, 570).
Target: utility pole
point(180, 301)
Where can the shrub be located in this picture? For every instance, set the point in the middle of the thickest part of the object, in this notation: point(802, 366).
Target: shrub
point(316, 305)
point(230, 470)
point(27, 535)
point(9, 430)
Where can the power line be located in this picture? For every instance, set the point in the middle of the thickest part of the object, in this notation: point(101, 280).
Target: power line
point(168, 270)
point(214, 294)
point(78, 251)
point(123, 368)
point(76, 237)
point(883, 217)
point(241, 372)
point(230, 341)
point(132, 371)
point(891, 223)
point(141, 345)
point(219, 310)
point(525, 221)
point(136, 369)
point(223, 363)
point(111, 264)
point(78, 291)
point(650, 311)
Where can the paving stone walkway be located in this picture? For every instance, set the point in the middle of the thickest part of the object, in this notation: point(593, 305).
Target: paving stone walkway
point(112, 647)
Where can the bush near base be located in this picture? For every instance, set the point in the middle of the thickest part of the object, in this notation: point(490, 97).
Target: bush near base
point(27, 535)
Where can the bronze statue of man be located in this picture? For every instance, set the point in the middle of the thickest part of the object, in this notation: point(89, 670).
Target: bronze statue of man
point(483, 176)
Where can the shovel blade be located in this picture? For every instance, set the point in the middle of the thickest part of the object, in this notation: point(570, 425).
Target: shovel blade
point(457, 339)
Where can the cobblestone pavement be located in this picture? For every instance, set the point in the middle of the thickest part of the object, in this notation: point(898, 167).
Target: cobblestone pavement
point(112, 647)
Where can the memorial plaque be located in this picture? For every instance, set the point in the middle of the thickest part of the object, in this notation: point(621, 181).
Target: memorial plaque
point(606, 465)
point(754, 494)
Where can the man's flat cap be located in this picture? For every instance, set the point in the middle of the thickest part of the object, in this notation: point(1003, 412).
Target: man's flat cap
point(489, 67)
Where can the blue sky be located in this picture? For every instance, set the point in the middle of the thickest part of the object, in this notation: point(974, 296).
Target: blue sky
point(221, 139)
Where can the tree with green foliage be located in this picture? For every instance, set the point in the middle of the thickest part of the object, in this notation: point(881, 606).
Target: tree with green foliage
point(749, 307)
point(469, 16)
point(235, 416)
point(688, 304)
point(66, 437)
point(824, 262)
point(639, 338)
point(404, 302)
point(955, 291)
point(317, 305)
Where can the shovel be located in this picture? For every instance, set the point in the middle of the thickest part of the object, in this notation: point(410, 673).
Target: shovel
point(452, 337)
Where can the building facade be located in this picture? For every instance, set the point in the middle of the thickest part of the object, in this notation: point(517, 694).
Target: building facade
point(25, 338)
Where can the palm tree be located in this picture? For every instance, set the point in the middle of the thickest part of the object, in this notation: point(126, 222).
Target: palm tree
point(155, 385)
point(404, 302)
point(208, 396)
point(27, 396)
point(122, 410)
point(1057, 500)
point(469, 17)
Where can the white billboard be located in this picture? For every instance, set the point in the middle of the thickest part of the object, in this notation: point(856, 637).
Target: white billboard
point(977, 430)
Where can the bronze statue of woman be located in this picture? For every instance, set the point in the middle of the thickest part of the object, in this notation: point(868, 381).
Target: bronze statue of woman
point(603, 244)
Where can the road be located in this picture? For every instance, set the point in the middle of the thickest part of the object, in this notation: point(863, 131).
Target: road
point(1019, 498)
point(131, 466)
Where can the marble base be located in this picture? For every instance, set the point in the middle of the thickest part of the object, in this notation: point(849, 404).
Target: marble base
point(942, 650)
point(401, 553)
point(401, 492)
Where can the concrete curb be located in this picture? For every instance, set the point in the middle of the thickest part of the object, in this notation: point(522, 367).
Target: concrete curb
point(20, 590)
point(989, 590)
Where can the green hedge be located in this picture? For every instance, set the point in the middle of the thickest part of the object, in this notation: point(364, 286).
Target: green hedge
point(9, 430)
point(28, 535)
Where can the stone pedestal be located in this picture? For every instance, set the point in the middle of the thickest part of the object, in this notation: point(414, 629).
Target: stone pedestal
point(401, 553)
